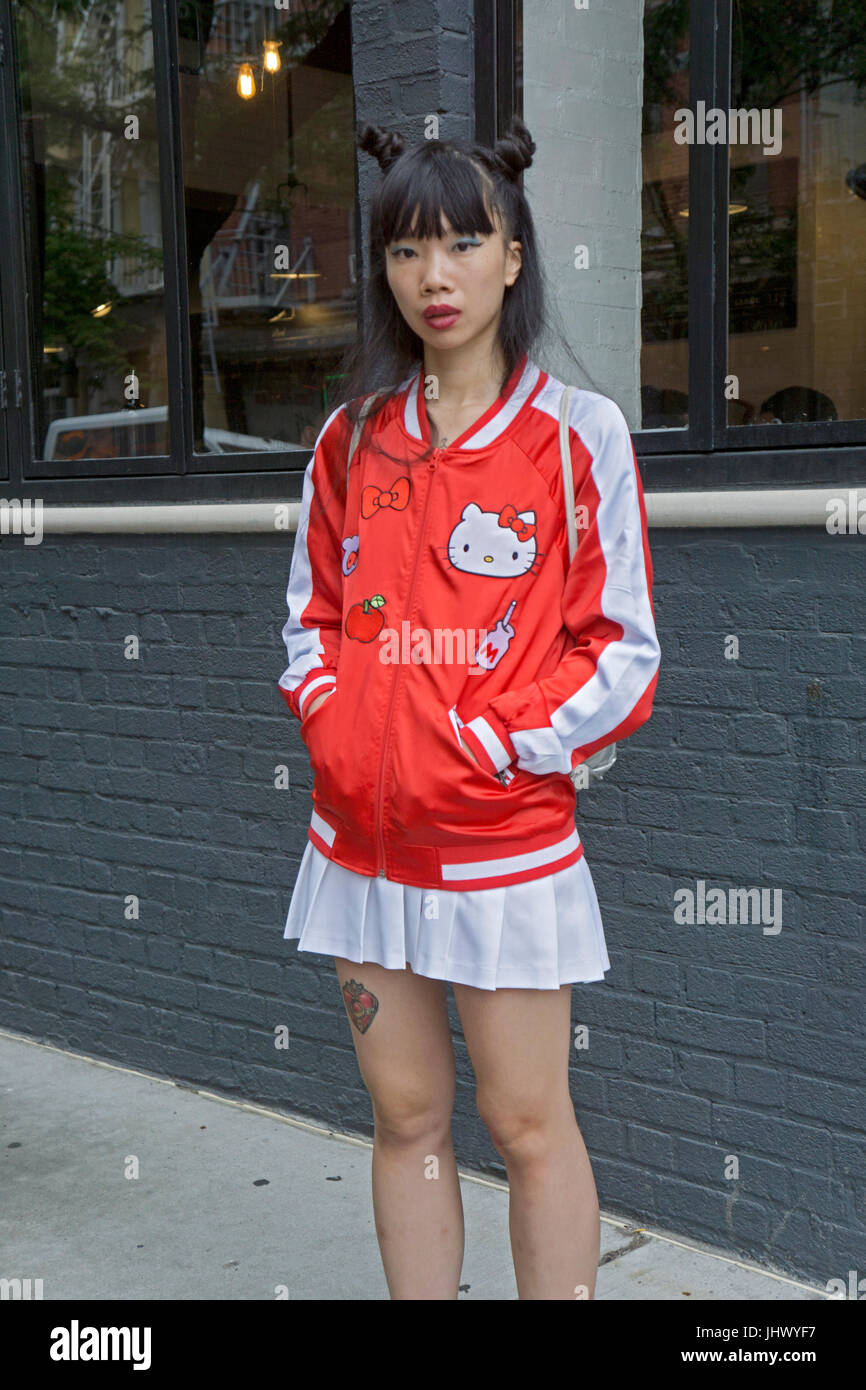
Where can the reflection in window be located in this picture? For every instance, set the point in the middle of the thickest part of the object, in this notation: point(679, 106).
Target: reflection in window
point(798, 216)
point(269, 175)
point(92, 228)
point(664, 218)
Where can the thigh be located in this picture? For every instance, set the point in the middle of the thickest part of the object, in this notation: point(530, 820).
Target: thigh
point(399, 1026)
point(518, 1042)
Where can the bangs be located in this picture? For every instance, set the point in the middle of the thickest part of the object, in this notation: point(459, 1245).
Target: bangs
point(434, 180)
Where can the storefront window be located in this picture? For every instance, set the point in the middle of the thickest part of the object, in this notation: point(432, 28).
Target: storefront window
point(606, 93)
point(92, 228)
point(664, 220)
point(797, 252)
point(269, 188)
point(262, 139)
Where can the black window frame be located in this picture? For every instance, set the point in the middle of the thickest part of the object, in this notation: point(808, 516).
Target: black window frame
point(711, 454)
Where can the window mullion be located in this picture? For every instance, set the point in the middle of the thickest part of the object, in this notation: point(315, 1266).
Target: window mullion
point(703, 242)
point(171, 184)
point(721, 48)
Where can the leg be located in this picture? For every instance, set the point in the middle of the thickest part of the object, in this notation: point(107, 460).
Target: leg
point(518, 1040)
point(406, 1057)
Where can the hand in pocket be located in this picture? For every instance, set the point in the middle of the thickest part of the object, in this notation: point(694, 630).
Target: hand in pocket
point(465, 746)
point(316, 701)
point(456, 724)
point(314, 714)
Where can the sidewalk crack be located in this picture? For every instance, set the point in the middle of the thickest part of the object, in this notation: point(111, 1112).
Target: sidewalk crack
point(638, 1239)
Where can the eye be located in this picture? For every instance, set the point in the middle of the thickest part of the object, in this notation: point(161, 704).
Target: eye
point(407, 249)
point(467, 241)
point(465, 548)
point(514, 554)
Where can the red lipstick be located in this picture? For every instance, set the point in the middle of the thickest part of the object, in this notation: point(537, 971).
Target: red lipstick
point(441, 315)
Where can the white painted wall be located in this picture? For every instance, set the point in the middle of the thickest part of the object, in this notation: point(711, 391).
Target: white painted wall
point(583, 100)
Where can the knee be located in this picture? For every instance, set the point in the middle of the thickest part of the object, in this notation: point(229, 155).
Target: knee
point(521, 1134)
point(410, 1118)
point(519, 1140)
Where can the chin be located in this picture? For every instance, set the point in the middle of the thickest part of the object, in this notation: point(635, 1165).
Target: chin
point(445, 337)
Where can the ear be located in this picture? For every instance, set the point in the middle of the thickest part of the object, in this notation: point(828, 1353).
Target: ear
point(513, 261)
point(527, 516)
point(470, 511)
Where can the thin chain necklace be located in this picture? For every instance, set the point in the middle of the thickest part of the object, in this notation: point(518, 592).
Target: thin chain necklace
point(442, 444)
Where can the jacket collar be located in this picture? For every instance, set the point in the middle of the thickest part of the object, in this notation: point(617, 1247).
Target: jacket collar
point(522, 384)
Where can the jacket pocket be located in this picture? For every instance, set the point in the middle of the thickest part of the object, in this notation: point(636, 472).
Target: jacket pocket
point(456, 724)
point(313, 725)
point(344, 764)
point(320, 705)
point(333, 757)
point(436, 790)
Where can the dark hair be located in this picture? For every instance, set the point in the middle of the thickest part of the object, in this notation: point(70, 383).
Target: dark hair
point(467, 182)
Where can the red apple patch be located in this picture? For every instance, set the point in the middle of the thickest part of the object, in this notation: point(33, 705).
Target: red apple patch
point(364, 621)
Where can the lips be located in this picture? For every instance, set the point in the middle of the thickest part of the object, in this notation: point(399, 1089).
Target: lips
point(441, 315)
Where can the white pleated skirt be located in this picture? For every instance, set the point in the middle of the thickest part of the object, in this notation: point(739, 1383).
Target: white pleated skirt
point(536, 935)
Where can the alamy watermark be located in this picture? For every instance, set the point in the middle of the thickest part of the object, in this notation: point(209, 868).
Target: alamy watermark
point(724, 907)
point(478, 648)
point(22, 518)
point(846, 516)
point(732, 127)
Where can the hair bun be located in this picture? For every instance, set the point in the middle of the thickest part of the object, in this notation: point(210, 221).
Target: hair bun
point(383, 145)
point(513, 153)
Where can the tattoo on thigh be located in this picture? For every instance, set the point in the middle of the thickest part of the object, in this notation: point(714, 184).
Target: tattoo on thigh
point(361, 1004)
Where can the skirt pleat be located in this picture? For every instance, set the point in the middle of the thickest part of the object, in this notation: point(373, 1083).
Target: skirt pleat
point(536, 935)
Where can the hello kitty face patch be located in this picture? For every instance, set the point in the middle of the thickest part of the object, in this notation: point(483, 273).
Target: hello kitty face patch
point(499, 544)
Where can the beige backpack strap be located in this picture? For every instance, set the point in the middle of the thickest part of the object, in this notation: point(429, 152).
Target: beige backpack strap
point(567, 473)
point(356, 433)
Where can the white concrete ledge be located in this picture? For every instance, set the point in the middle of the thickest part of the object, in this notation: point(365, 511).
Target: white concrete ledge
point(184, 516)
point(760, 507)
point(807, 506)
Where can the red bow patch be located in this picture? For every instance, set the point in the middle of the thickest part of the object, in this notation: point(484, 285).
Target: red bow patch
point(524, 530)
point(372, 498)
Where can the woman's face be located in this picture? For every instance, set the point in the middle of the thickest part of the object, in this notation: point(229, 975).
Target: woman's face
point(467, 274)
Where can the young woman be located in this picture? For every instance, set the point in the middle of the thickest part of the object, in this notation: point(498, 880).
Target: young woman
point(450, 666)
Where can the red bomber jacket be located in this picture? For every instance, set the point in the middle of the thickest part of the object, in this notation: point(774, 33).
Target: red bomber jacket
point(439, 601)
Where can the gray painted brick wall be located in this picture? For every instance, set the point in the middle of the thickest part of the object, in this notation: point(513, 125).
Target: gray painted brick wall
point(155, 777)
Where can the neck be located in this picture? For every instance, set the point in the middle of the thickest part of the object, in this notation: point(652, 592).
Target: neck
point(467, 376)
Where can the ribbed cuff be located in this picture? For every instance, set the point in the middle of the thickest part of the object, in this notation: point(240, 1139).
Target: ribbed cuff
point(489, 740)
point(312, 685)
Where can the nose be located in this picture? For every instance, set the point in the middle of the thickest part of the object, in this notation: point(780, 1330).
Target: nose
point(488, 559)
point(434, 274)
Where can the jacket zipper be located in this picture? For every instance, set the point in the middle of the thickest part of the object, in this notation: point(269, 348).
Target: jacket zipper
point(418, 553)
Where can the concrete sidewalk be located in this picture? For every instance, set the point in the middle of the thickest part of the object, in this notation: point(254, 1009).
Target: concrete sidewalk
point(232, 1201)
